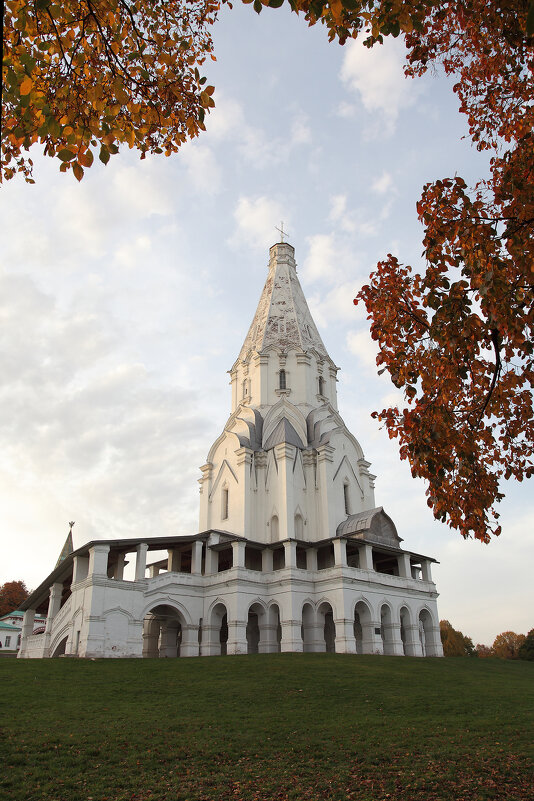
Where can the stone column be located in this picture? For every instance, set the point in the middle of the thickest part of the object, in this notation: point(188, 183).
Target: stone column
point(174, 560)
point(267, 560)
point(345, 640)
point(27, 630)
point(238, 553)
point(118, 573)
point(80, 569)
point(291, 635)
point(285, 456)
point(150, 638)
point(365, 553)
point(311, 559)
point(56, 591)
point(340, 554)
point(426, 569)
point(196, 558)
point(371, 638)
point(403, 560)
point(413, 643)
point(290, 551)
point(98, 560)
point(237, 637)
point(244, 462)
point(392, 639)
point(308, 463)
point(212, 556)
point(140, 562)
point(189, 644)
point(325, 457)
point(153, 571)
point(168, 646)
point(205, 489)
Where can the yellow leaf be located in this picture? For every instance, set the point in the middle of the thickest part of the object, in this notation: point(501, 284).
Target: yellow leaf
point(26, 86)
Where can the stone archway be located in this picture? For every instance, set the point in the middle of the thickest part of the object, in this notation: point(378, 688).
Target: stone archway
point(255, 624)
point(325, 615)
point(309, 629)
point(60, 648)
point(409, 633)
point(429, 635)
point(164, 633)
point(363, 628)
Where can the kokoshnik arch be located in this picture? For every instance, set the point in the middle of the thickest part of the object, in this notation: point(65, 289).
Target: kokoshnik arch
point(292, 554)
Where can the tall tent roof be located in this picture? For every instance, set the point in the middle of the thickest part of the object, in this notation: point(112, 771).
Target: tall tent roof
point(282, 318)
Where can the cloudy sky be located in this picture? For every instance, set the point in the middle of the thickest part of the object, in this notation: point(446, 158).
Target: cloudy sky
point(125, 299)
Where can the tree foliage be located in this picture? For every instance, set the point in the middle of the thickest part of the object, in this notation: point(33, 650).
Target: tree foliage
point(484, 651)
point(82, 77)
point(457, 338)
point(12, 594)
point(526, 650)
point(507, 645)
point(454, 642)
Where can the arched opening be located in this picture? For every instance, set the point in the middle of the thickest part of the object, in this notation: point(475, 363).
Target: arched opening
point(274, 528)
point(60, 648)
point(282, 380)
point(325, 616)
point(255, 613)
point(215, 631)
point(362, 628)
point(321, 385)
point(309, 629)
point(271, 633)
point(299, 527)
point(162, 632)
point(428, 634)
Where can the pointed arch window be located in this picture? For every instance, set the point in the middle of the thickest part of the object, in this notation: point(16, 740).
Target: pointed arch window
point(321, 385)
point(282, 383)
point(224, 503)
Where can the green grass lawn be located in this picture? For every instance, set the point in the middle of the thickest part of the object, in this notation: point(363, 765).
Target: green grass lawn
point(280, 726)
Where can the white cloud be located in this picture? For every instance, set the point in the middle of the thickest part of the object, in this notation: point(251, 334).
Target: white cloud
point(376, 75)
point(382, 184)
point(364, 348)
point(335, 305)
point(300, 131)
point(256, 219)
point(203, 172)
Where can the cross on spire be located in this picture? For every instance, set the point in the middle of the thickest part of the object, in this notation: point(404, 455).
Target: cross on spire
point(281, 230)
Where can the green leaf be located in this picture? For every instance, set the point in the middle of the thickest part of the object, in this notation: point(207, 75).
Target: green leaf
point(40, 5)
point(350, 5)
point(104, 154)
point(275, 3)
point(66, 155)
point(257, 6)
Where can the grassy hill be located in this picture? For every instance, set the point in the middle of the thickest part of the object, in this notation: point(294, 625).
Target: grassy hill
point(280, 726)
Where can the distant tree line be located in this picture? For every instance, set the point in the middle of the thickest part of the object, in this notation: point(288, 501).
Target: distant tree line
point(507, 645)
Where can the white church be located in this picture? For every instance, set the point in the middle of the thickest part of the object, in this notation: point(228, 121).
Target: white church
point(293, 554)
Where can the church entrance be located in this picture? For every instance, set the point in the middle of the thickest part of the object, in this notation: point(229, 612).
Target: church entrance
point(162, 632)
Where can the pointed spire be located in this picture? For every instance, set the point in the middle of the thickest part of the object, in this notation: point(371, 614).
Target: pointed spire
point(282, 318)
point(68, 547)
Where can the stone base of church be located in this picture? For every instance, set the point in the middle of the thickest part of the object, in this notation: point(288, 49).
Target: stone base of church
point(339, 609)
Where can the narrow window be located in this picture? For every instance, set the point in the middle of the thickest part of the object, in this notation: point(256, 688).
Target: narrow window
point(346, 498)
point(282, 379)
point(321, 385)
point(245, 388)
point(8, 641)
point(224, 512)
